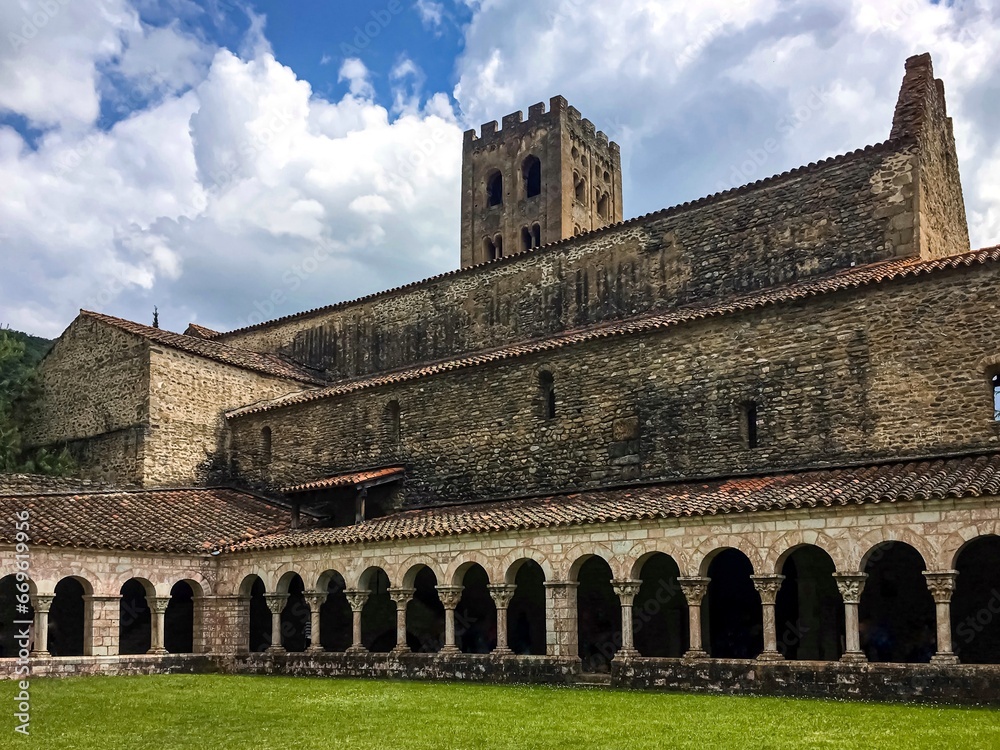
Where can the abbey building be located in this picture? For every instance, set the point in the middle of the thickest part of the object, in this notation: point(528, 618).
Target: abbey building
point(748, 443)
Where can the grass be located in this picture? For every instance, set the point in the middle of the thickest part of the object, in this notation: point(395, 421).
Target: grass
point(212, 712)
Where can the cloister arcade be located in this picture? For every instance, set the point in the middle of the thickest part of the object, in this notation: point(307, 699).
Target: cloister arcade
point(728, 601)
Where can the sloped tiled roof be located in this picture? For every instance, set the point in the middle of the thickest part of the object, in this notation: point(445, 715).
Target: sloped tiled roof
point(268, 364)
point(353, 479)
point(187, 521)
point(845, 279)
point(200, 332)
point(588, 235)
point(963, 477)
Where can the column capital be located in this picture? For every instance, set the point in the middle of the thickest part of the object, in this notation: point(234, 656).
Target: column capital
point(401, 596)
point(450, 595)
point(502, 593)
point(158, 604)
point(626, 588)
point(276, 602)
point(767, 587)
point(941, 584)
point(694, 588)
point(851, 585)
point(357, 598)
point(315, 599)
point(42, 602)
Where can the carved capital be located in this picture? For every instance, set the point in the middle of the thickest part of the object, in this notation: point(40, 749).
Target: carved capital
point(158, 604)
point(694, 588)
point(502, 593)
point(941, 584)
point(315, 599)
point(450, 595)
point(626, 590)
point(356, 598)
point(42, 602)
point(401, 596)
point(276, 602)
point(767, 587)
point(851, 585)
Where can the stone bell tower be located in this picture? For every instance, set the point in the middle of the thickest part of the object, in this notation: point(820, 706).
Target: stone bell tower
point(536, 181)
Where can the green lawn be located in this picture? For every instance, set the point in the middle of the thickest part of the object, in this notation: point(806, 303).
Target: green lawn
point(236, 713)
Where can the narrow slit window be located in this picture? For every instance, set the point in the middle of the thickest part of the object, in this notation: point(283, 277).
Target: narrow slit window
point(393, 422)
point(265, 445)
point(749, 415)
point(995, 388)
point(536, 236)
point(547, 391)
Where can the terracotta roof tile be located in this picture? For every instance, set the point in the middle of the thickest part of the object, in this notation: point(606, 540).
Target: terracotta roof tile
point(357, 478)
point(268, 364)
point(845, 279)
point(200, 332)
point(171, 520)
point(937, 479)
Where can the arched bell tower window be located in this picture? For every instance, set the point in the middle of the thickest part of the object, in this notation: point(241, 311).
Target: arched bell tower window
point(602, 205)
point(531, 169)
point(579, 187)
point(494, 189)
point(489, 249)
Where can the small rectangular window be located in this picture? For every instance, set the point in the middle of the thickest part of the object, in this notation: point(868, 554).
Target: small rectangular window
point(995, 384)
point(749, 415)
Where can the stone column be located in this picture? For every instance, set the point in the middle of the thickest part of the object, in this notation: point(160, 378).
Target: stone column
point(561, 632)
point(105, 619)
point(356, 598)
point(502, 593)
point(695, 589)
point(450, 597)
point(768, 587)
point(42, 603)
point(851, 585)
point(942, 585)
point(223, 626)
point(158, 612)
point(626, 590)
point(402, 598)
point(315, 600)
point(276, 603)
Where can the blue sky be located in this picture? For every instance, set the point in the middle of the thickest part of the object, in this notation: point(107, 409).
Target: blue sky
point(229, 161)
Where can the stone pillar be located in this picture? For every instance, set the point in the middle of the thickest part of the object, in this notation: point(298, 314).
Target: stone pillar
point(768, 587)
point(626, 590)
point(223, 626)
point(942, 585)
point(158, 612)
point(402, 598)
point(315, 600)
point(356, 598)
point(450, 597)
point(695, 589)
point(851, 585)
point(561, 633)
point(276, 603)
point(42, 603)
point(105, 618)
point(502, 593)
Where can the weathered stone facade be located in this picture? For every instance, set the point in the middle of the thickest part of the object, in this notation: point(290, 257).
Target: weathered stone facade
point(746, 444)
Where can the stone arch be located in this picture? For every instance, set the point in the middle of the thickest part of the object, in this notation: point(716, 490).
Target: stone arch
point(494, 188)
point(285, 580)
point(958, 540)
point(248, 582)
point(411, 568)
point(708, 550)
point(14, 594)
point(582, 552)
point(135, 623)
point(791, 541)
point(809, 610)
point(182, 620)
point(364, 580)
point(71, 617)
point(514, 560)
point(258, 623)
point(425, 618)
point(975, 603)
point(295, 615)
point(733, 607)
point(458, 568)
point(526, 609)
point(660, 621)
point(378, 615)
point(531, 175)
point(877, 538)
point(476, 613)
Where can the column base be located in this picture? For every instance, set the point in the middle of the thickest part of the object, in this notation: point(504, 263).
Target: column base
point(944, 659)
point(695, 654)
point(157, 652)
point(770, 656)
point(315, 648)
point(40, 654)
point(400, 650)
point(357, 649)
point(854, 657)
point(502, 651)
point(624, 654)
point(275, 650)
point(450, 650)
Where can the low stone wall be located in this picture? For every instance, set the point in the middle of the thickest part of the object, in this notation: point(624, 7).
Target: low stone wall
point(77, 666)
point(967, 684)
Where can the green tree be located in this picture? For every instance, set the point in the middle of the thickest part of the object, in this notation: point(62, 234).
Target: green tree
point(18, 393)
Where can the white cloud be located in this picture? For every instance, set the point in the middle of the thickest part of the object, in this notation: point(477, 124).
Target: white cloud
point(431, 13)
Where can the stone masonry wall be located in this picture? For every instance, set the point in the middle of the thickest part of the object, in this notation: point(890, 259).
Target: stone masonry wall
point(853, 210)
point(188, 395)
point(94, 398)
point(892, 370)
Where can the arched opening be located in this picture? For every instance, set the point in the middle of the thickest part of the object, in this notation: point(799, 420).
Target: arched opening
point(526, 610)
point(13, 594)
point(69, 619)
point(494, 189)
point(735, 617)
point(531, 170)
point(135, 623)
point(607, 176)
point(265, 445)
point(178, 620)
point(498, 244)
point(599, 615)
point(975, 605)
point(425, 614)
point(393, 423)
point(536, 235)
point(336, 621)
point(378, 616)
point(579, 187)
point(489, 249)
point(659, 611)
point(476, 613)
point(259, 620)
point(295, 614)
point(547, 394)
point(896, 616)
point(602, 205)
point(809, 611)
point(525, 239)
